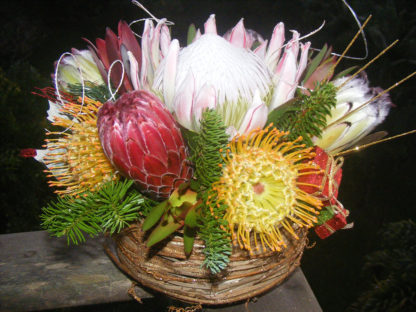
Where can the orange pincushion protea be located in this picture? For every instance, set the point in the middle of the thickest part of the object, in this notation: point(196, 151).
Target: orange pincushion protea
point(75, 159)
point(259, 185)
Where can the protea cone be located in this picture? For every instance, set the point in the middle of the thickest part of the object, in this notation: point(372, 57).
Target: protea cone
point(143, 142)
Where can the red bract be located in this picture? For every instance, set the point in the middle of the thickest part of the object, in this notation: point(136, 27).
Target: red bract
point(143, 142)
point(117, 48)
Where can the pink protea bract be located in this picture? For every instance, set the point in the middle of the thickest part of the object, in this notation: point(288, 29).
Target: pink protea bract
point(143, 142)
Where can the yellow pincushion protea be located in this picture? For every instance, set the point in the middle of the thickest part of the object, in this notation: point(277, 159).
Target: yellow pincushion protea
point(259, 186)
point(75, 159)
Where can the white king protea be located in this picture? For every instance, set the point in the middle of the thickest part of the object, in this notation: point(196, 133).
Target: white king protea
point(226, 74)
point(355, 115)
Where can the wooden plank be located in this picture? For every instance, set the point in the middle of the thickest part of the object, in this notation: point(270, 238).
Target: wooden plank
point(38, 272)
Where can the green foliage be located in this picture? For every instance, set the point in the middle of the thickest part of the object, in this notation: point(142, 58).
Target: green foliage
point(211, 144)
point(213, 232)
point(97, 93)
point(392, 271)
point(207, 151)
point(180, 210)
point(191, 34)
point(110, 209)
point(322, 57)
point(306, 115)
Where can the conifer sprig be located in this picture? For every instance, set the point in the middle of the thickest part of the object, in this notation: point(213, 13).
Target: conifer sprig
point(97, 93)
point(213, 231)
point(306, 115)
point(109, 209)
point(210, 146)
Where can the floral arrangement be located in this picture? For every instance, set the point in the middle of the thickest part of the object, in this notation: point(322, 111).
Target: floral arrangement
point(232, 138)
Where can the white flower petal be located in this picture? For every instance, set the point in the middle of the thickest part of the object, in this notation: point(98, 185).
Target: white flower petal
point(275, 46)
point(146, 74)
point(256, 116)
point(197, 35)
point(210, 26)
point(184, 101)
point(165, 40)
point(303, 60)
point(261, 50)
point(284, 79)
point(40, 155)
point(169, 74)
point(134, 71)
point(206, 99)
point(55, 111)
point(238, 35)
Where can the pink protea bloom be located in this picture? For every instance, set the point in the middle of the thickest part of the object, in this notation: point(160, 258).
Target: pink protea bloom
point(131, 65)
point(286, 69)
point(224, 73)
point(143, 142)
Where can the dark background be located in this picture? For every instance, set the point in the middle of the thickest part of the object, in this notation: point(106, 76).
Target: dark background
point(378, 183)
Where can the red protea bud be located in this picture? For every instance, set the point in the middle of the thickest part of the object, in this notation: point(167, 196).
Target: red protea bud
point(143, 142)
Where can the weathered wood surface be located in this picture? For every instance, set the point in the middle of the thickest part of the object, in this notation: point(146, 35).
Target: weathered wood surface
point(38, 272)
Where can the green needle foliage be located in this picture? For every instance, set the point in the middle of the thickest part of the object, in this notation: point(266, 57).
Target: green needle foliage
point(306, 115)
point(110, 209)
point(94, 92)
point(208, 149)
point(211, 145)
point(213, 231)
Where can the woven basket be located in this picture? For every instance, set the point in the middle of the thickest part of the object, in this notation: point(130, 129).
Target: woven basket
point(167, 270)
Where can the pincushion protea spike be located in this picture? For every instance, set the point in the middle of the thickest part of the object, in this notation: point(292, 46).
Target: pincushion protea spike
point(260, 188)
point(141, 139)
point(75, 160)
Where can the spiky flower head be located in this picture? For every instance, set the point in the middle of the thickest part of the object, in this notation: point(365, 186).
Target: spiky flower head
point(142, 140)
point(357, 112)
point(227, 74)
point(259, 185)
point(74, 157)
point(77, 68)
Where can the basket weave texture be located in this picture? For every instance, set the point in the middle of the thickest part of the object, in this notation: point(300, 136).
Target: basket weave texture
point(166, 269)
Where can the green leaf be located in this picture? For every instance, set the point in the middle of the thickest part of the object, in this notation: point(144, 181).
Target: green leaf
point(163, 230)
point(181, 196)
point(191, 34)
point(345, 72)
point(314, 63)
point(155, 215)
point(189, 234)
point(191, 218)
point(191, 139)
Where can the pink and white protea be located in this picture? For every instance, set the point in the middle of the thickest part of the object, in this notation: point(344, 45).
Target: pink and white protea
point(77, 68)
point(355, 114)
point(225, 74)
point(143, 142)
point(285, 69)
point(121, 58)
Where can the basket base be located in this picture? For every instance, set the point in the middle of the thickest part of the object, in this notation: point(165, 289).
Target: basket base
point(167, 270)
